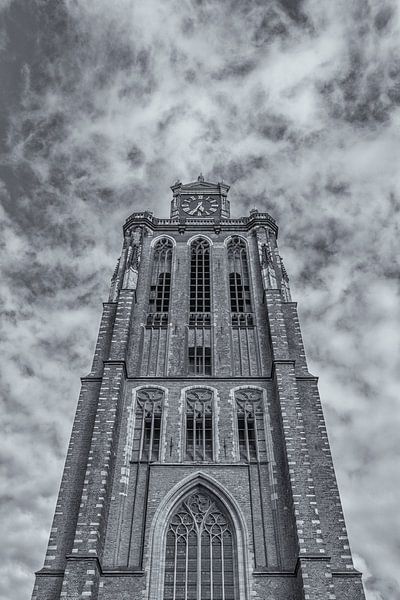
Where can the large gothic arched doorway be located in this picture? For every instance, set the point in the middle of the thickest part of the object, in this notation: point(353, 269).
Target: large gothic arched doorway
point(200, 551)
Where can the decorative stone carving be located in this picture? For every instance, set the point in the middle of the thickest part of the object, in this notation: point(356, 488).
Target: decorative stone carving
point(149, 401)
point(285, 288)
point(133, 259)
point(266, 259)
point(113, 289)
point(249, 401)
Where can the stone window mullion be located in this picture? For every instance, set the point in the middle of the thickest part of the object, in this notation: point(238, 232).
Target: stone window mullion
point(160, 285)
point(239, 283)
point(200, 533)
point(250, 424)
point(199, 425)
point(147, 435)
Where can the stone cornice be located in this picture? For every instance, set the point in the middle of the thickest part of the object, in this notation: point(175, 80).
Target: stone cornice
point(198, 380)
point(97, 378)
point(132, 572)
point(345, 574)
point(50, 572)
point(177, 225)
point(91, 378)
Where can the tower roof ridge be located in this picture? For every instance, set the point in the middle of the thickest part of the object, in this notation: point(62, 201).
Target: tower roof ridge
point(201, 184)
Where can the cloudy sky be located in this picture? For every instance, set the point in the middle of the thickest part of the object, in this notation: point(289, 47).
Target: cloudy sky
point(295, 104)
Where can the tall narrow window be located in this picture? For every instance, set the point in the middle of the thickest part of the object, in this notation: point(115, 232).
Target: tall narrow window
point(250, 423)
point(200, 285)
point(199, 554)
point(239, 283)
point(148, 416)
point(160, 289)
point(199, 335)
point(199, 425)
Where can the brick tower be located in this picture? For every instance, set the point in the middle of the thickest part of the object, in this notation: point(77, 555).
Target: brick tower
point(199, 465)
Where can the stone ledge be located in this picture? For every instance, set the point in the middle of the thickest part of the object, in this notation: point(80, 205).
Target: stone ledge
point(49, 573)
point(123, 572)
point(107, 572)
point(346, 574)
point(121, 363)
point(273, 573)
point(198, 464)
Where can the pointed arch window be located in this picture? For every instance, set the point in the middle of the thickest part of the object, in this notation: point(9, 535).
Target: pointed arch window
point(148, 420)
point(200, 282)
point(239, 283)
point(200, 553)
point(199, 359)
point(199, 425)
point(250, 424)
point(160, 287)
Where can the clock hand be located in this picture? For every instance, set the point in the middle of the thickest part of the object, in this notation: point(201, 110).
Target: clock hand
point(196, 208)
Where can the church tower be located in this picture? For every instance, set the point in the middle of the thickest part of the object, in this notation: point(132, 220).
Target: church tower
point(199, 465)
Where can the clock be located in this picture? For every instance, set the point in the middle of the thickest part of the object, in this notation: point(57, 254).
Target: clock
point(199, 205)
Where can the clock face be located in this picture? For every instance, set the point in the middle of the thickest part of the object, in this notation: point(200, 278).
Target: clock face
point(199, 205)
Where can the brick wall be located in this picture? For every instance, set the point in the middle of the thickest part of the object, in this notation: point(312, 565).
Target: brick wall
point(292, 540)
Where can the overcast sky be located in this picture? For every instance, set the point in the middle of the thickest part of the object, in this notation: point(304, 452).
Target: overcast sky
point(296, 106)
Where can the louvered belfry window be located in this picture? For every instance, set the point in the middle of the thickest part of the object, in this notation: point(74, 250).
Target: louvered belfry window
point(239, 283)
point(148, 419)
point(160, 289)
point(250, 423)
point(200, 553)
point(199, 425)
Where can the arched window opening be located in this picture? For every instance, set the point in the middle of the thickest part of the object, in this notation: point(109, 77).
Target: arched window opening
point(250, 424)
point(199, 425)
point(160, 288)
point(239, 283)
point(199, 336)
point(200, 283)
point(200, 561)
point(148, 418)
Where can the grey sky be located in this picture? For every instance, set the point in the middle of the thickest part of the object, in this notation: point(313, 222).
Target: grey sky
point(296, 106)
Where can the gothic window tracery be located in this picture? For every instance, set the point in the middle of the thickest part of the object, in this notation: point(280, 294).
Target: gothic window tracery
point(148, 419)
point(199, 425)
point(200, 551)
point(239, 283)
point(250, 424)
point(160, 287)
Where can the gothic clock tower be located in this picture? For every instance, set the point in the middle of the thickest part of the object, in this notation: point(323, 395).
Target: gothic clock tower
point(199, 465)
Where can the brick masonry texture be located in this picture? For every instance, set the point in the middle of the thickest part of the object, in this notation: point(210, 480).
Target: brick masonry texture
point(106, 541)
